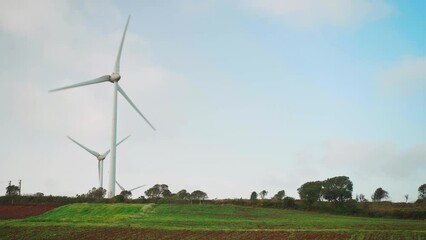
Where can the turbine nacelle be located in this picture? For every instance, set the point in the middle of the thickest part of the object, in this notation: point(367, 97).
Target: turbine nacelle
point(114, 77)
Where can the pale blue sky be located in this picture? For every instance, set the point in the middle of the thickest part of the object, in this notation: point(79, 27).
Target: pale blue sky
point(246, 95)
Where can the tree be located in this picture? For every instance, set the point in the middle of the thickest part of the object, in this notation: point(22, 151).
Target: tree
point(166, 193)
point(289, 202)
point(422, 191)
point(153, 192)
point(337, 189)
point(280, 195)
point(183, 195)
point(310, 192)
point(362, 198)
point(253, 196)
point(263, 194)
point(198, 195)
point(12, 190)
point(406, 198)
point(126, 194)
point(96, 193)
point(119, 198)
point(379, 194)
point(39, 194)
point(158, 191)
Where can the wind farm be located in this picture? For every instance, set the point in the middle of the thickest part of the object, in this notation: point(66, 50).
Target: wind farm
point(276, 119)
point(113, 78)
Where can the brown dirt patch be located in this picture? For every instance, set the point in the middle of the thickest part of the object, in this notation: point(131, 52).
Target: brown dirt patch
point(135, 233)
point(16, 211)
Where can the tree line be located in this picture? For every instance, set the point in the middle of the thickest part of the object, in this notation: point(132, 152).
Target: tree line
point(333, 195)
point(155, 193)
point(339, 190)
point(336, 189)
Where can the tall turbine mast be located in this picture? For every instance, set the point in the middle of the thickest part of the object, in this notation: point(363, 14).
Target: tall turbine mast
point(113, 78)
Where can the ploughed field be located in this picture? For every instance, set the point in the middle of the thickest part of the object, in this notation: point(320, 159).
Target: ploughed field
point(14, 211)
point(201, 221)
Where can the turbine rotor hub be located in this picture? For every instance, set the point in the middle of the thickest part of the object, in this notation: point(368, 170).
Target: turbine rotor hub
point(101, 157)
point(114, 77)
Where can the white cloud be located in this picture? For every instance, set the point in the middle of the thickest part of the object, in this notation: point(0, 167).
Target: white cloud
point(311, 13)
point(29, 18)
point(407, 74)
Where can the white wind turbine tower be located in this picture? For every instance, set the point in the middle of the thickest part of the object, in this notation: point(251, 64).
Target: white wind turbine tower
point(99, 157)
point(113, 78)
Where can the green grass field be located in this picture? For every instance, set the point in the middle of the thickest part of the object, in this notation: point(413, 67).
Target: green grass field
point(144, 220)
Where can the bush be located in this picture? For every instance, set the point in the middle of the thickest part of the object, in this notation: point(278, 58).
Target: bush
point(289, 202)
point(118, 198)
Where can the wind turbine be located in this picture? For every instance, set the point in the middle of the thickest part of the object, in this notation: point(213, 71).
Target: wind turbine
point(129, 191)
point(113, 78)
point(100, 157)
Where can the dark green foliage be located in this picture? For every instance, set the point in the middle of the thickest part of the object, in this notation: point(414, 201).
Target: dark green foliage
point(422, 191)
point(279, 196)
point(118, 198)
point(289, 202)
point(310, 192)
point(379, 194)
point(143, 198)
point(12, 190)
point(39, 194)
point(253, 196)
point(158, 191)
point(198, 195)
point(183, 195)
point(96, 193)
point(337, 189)
point(167, 193)
point(126, 194)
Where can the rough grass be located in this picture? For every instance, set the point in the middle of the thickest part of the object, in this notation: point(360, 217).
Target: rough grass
point(217, 218)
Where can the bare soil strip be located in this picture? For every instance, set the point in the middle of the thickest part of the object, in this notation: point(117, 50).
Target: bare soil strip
point(147, 234)
point(17, 211)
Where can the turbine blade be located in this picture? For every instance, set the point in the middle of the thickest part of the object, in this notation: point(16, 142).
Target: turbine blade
point(104, 78)
point(117, 60)
point(133, 105)
point(121, 187)
point(137, 188)
point(107, 152)
point(94, 153)
point(123, 140)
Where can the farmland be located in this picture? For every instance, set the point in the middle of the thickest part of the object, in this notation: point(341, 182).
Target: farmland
point(14, 211)
point(202, 221)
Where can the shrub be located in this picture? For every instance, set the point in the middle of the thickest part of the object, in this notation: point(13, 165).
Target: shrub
point(289, 202)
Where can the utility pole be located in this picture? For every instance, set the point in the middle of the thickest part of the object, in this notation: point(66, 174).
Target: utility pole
point(20, 187)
